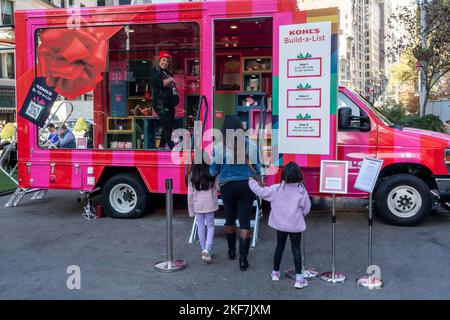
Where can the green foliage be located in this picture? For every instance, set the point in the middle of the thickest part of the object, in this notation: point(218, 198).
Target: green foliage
point(398, 115)
point(429, 122)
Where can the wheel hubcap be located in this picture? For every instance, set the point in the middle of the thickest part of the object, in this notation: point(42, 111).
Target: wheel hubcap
point(404, 201)
point(123, 198)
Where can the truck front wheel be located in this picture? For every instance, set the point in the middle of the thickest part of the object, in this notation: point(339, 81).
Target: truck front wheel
point(124, 196)
point(403, 200)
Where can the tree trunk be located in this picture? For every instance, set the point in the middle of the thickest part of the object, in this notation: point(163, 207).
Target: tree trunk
point(424, 107)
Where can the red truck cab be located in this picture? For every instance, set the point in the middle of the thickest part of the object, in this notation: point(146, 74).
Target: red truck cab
point(415, 170)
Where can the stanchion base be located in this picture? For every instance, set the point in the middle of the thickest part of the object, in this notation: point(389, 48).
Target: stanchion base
point(328, 277)
point(308, 273)
point(170, 266)
point(369, 282)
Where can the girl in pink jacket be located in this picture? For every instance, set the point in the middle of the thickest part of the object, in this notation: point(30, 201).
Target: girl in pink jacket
point(289, 205)
point(202, 203)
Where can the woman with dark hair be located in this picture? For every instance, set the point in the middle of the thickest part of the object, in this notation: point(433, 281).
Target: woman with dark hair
point(232, 163)
point(289, 204)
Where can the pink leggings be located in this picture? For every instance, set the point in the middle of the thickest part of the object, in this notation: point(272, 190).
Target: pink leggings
point(206, 238)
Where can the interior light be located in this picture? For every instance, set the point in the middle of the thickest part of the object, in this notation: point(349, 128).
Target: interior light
point(234, 44)
point(144, 61)
point(259, 60)
point(195, 60)
point(230, 56)
point(131, 30)
point(226, 44)
point(233, 26)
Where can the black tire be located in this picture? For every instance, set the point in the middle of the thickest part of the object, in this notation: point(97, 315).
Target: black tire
point(124, 196)
point(403, 200)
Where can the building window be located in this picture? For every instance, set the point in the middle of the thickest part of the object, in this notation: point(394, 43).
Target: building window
point(7, 16)
point(10, 65)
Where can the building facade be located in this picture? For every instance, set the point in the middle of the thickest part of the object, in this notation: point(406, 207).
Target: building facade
point(362, 43)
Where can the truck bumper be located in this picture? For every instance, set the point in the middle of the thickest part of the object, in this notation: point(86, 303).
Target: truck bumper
point(443, 183)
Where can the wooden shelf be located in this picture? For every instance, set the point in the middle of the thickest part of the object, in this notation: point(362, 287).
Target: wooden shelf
point(138, 98)
point(257, 64)
point(257, 72)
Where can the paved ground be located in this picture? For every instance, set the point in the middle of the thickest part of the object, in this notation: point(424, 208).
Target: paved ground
point(39, 240)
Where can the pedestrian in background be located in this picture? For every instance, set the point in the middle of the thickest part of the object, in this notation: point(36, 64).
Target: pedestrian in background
point(202, 203)
point(53, 137)
point(290, 203)
point(66, 138)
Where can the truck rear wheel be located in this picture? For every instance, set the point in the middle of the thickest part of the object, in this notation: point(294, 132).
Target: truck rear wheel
point(124, 196)
point(403, 200)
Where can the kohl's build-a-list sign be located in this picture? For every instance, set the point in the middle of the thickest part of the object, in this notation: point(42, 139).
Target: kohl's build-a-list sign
point(304, 88)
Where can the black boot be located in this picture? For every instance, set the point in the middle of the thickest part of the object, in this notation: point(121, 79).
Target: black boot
point(244, 246)
point(230, 232)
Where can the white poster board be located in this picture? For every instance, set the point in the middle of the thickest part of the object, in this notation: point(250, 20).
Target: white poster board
point(368, 174)
point(304, 88)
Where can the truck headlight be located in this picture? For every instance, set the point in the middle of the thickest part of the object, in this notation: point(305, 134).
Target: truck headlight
point(447, 159)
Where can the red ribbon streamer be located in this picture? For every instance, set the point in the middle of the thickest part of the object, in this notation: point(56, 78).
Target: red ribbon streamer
point(73, 60)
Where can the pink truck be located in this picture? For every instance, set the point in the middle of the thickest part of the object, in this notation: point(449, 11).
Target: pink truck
point(94, 64)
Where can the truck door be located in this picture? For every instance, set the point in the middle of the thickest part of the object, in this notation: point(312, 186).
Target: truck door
point(357, 141)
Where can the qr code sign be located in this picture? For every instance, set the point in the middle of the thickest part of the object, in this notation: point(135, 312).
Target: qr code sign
point(34, 110)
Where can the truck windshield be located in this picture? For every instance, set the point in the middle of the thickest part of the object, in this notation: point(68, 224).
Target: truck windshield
point(374, 109)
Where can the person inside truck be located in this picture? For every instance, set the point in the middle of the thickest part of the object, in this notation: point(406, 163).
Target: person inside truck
point(165, 97)
point(66, 138)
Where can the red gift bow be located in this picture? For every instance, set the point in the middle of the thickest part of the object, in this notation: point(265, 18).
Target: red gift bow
point(72, 60)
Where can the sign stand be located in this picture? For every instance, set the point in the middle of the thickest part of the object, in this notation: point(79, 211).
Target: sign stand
point(371, 281)
point(366, 180)
point(308, 273)
point(333, 179)
point(169, 265)
point(333, 276)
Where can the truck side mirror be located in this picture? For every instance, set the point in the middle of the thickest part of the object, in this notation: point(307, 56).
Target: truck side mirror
point(344, 117)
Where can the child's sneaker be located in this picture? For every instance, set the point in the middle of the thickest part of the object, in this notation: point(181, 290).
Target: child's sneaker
point(275, 275)
point(206, 255)
point(301, 283)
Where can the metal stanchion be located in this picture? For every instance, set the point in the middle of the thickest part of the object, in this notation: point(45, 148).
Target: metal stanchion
point(372, 281)
point(308, 273)
point(333, 276)
point(169, 265)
